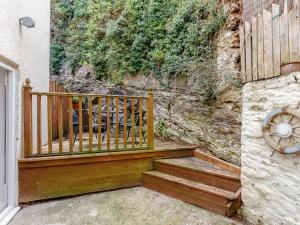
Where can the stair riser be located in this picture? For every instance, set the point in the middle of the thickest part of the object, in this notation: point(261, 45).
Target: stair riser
point(196, 197)
point(234, 206)
point(198, 176)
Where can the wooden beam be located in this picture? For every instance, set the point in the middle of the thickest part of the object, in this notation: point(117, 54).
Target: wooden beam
point(108, 124)
point(140, 121)
point(260, 47)
point(117, 122)
point(294, 31)
point(39, 124)
point(27, 104)
point(284, 35)
point(268, 44)
point(166, 152)
point(243, 54)
point(49, 123)
point(81, 95)
point(248, 51)
point(132, 122)
point(254, 48)
point(60, 123)
point(125, 123)
point(99, 123)
point(71, 133)
point(80, 124)
point(276, 39)
point(150, 120)
point(90, 124)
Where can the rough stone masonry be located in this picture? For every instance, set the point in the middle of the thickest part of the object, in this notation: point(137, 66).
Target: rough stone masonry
point(270, 185)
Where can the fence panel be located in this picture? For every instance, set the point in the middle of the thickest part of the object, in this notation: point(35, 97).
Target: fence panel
point(270, 41)
point(58, 105)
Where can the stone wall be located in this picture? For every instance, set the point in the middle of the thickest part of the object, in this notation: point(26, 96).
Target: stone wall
point(188, 114)
point(270, 185)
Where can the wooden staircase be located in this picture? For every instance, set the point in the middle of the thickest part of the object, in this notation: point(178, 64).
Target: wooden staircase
point(201, 180)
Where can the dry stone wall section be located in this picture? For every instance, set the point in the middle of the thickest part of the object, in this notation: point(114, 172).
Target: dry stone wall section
point(270, 185)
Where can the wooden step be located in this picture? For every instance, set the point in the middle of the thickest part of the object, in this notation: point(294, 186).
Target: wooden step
point(200, 171)
point(208, 197)
point(218, 162)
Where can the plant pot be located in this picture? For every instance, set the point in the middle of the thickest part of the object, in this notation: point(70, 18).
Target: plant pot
point(75, 106)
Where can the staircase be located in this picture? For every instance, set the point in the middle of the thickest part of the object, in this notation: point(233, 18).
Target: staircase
point(201, 180)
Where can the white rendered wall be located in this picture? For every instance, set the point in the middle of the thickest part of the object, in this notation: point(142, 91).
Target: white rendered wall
point(270, 185)
point(29, 48)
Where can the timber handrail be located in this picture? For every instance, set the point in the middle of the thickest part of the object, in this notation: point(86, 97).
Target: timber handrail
point(108, 123)
point(82, 95)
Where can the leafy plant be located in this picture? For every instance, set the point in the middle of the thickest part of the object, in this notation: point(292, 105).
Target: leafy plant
point(57, 55)
point(161, 128)
point(85, 102)
point(75, 100)
point(122, 37)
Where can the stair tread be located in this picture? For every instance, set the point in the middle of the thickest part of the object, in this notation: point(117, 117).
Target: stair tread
point(199, 165)
point(195, 185)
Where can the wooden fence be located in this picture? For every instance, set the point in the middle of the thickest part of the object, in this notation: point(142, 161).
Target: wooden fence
point(54, 87)
point(100, 123)
point(270, 43)
point(253, 7)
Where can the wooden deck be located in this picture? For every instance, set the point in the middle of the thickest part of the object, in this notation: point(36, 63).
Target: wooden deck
point(68, 175)
point(85, 143)
point(90, 164)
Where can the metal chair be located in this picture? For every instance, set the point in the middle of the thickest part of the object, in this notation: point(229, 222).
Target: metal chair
point(129, 125)
point(85, 123)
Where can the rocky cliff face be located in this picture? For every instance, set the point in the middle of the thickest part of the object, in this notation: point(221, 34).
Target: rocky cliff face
point(186, 113)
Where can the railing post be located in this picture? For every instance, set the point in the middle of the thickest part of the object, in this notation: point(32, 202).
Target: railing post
point(150, 121)
point(27, 118)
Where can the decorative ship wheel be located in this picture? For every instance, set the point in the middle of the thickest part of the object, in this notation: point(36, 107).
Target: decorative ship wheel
point(281, 130)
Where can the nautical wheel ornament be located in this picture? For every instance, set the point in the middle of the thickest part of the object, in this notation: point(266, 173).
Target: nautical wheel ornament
point(281, 130)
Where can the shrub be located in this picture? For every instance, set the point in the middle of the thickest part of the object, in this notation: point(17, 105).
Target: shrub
point(161, 128)
point(57, 56)
point(137, 36)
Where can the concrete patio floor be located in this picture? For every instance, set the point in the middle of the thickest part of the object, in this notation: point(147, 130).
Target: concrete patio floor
point(132, 206)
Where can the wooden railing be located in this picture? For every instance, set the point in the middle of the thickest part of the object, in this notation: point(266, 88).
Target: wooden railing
point(98, 123)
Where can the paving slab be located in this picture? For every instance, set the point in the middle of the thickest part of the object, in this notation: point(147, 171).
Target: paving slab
point(131, 206)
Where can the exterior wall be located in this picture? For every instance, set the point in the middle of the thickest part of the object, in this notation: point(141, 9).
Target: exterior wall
point(29, 48)
point(270, 185)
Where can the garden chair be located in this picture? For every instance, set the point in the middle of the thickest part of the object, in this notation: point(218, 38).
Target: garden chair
point(85, 124)
point(129, 125)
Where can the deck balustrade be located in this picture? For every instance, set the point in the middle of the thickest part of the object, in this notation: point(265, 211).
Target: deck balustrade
point(96, 123)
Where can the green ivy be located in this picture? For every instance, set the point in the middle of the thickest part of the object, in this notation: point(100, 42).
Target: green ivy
point(119, 37)
point(57, 56)
point(161, 129)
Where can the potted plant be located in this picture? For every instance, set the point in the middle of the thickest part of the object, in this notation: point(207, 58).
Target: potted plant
point(75, 102)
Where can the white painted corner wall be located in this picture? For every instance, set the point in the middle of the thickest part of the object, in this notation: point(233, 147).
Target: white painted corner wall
point(28, 48)
point(270, 185)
